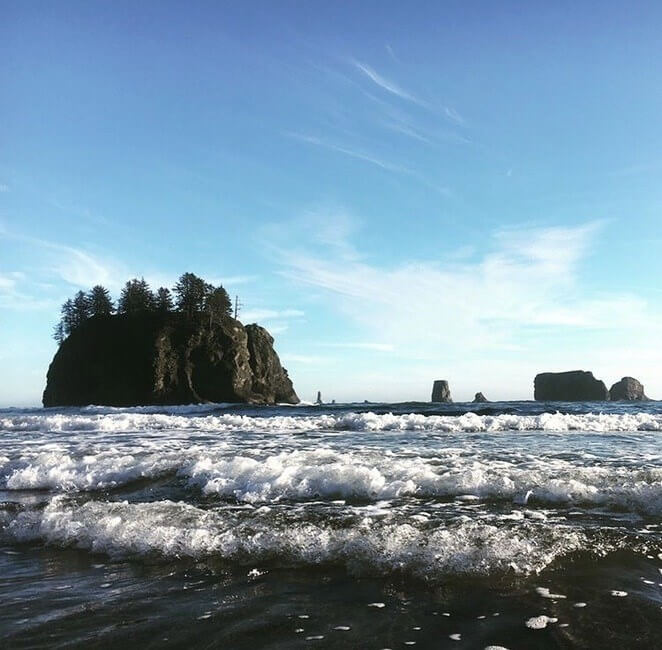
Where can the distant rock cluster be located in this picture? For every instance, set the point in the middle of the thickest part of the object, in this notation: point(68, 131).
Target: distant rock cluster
point(582, 386)
point(571, 386)
point(441, 393)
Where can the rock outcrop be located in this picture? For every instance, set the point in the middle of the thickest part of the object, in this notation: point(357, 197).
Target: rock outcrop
point(480, 399)
point(628, 389)
point(572, 386)
point(441, 392)
point(149, 358)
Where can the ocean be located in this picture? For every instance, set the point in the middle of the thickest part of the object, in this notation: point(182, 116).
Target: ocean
point(501, 525)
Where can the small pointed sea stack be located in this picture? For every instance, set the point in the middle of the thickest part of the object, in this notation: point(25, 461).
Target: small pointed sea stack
point(480, 398)
point(441, 391)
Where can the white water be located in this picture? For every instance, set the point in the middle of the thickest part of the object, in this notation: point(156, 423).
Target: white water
point(134, 421)
point(371, 542)
point(428, 495)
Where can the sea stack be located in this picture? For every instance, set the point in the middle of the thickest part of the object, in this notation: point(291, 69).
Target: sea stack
point(441, 391)
point(480, 398)
point(151, 358)
point(628, 389)
point(572, 386)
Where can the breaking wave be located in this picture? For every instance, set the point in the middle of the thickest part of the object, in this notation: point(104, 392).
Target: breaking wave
point(115, 422)
point(362, 474)
point(174, 530)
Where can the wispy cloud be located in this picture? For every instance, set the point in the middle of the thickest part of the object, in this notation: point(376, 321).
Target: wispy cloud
point(271, 314)
point(73, 265)
point(391, 53)
point(307, 359)
point(450, 113)
point(387, 84)
point(15, 293)
point(453, 115)
point(378, 347)
point(353, 153)
point(528, 280)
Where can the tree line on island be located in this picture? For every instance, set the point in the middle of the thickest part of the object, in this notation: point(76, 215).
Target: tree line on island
point(191, 295)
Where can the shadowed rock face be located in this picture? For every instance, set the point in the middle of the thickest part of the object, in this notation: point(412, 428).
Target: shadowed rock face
point(441, 391)
point(573, 386)
point(480, 398)
point(628, 389)
point(147, 358)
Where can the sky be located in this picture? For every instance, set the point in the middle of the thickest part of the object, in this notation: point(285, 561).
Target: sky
point(400, 192)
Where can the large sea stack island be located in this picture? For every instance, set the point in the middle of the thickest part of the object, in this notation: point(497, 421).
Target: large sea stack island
point(159, 349)
point(571, 386)
point(582, 386)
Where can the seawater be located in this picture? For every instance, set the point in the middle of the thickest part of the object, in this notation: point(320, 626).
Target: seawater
point(513, 525)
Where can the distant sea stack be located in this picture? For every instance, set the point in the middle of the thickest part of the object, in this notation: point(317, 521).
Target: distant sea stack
point(441, 392)
point(628, 389)
point(155, 358)
point(572, 386)
point(480, 399)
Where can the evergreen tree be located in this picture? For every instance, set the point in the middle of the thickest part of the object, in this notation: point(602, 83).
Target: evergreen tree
point(136, 296)
point(190, 293)
point(164, 302)
point(80, 311)
point(217, 304)
point(101, 304)
point(58, 333)
point(67, 318)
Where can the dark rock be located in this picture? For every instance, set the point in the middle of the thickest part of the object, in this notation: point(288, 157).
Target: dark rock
point(149, 358)
point(441, 391)
point(628, 389)
point(572, 386)
point(480, 398)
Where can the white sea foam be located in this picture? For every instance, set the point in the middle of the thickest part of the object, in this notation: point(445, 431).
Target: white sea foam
point(257, 476)
point(144, 420)
point(177, 529)
point(540, 622)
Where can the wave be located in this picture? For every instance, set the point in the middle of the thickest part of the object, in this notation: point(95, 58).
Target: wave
point(360, 474)
point(175, 530)
point(134, 421)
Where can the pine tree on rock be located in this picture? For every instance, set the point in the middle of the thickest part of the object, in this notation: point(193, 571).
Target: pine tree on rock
point(67, 318)
point(101, 304)
point(80, 310)
point(58, 333)
point(164, 302)
point(136, 297)
point(191, 293)
point(217, 304)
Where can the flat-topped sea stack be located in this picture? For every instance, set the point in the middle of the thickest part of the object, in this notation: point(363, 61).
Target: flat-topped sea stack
point(151, 358)
point(628, 389)
point(441, 392)
point(572, 386)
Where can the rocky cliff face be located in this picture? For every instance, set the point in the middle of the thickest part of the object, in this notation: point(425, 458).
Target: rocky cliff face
point(572, 386)
point(147, 358)
point(628, 389)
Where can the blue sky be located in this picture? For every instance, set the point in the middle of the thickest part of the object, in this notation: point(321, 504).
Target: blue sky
point(398, 191)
